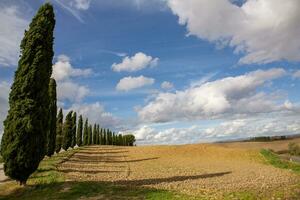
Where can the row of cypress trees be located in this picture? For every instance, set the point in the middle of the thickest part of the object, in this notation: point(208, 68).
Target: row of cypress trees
point(31, 128)
point(70, 134)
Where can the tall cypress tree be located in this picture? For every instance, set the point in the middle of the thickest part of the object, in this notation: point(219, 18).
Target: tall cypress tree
point(73, 143)
point(26, 125)
point(104, 136)
point(94, 134)
point(52, 118)
point(79, 131)
point(100, 137)
point(59, 131)
point(90, 131)
point(86, 132)
point(98, 134)
point(67, 131)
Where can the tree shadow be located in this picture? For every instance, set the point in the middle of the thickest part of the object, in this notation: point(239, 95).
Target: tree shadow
point(88, 171)
point(102, 152)
point(154, 181)
point(109, 161)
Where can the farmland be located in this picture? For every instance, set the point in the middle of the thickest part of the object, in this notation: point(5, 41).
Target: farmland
point(199, 171)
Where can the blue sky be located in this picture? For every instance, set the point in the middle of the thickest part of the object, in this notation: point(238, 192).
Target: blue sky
point(169, 71)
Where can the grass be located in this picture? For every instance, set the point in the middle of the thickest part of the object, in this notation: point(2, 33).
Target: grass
point(275, 160)
point(48, 183)
point(1, 159)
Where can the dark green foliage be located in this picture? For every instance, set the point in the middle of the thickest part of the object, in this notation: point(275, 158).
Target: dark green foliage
point(51, 137)
point(73, 143)
point(67, 131)
point(79, 131)
point(90, 131)
point(26, 125)
point(86, 132)
point(98, 134)
point(128, 140)
point(100, 137)
point(59, 131)
point(94, 134)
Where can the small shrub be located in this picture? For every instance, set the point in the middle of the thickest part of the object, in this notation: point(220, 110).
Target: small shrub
point(294, 149)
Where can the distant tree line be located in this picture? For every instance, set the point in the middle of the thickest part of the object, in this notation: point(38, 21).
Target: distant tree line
point(32, 128)
point(70, 133)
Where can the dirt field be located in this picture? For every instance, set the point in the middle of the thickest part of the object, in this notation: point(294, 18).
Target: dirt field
point(210, 170)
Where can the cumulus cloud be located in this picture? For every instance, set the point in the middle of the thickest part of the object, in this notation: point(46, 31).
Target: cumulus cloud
point(296, 74)
point(63, 69)
point(12, 29)
point(67, 89)
point(4, 92)
point(96, 113)
point(137, 62)
point(231, 95)
point(263, 30)
point(130, 83)
point(226, 130)
point(71, 91)
point(166, 85)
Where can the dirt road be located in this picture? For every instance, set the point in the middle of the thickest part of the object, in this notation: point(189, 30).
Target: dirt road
point(3, 178)
point(202, 169)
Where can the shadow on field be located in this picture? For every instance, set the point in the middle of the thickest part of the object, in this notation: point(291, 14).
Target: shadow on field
point(102, 152)
point(154, 181)
point(127, 189)
point(89, 171)
point(88, 190)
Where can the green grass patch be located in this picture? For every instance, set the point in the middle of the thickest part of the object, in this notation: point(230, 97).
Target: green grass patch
point(275, 160)
point(1, 159)
point(48, 183)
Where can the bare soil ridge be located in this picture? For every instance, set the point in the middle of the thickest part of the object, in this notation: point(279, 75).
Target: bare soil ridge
point(202, 169)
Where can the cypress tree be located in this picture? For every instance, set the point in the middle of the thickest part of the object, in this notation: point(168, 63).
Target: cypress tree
point(73, 143)
point(67, 131)
point(90, 131)
point(104, 137)
point(98, 134)
point(94, 134)
point(59, 131)
point(100, 137)
point(86, 132)
point(79, 131)
point(52, 118)
point(26, 125)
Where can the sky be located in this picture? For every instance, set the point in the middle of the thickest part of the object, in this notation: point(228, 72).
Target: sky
point(169, 71)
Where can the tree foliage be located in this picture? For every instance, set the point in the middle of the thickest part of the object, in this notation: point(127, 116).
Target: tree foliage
point(26, 125)
point(51, 137)
point(79, 131)
point(59, 131)
point(73, 143)
point(67, 131)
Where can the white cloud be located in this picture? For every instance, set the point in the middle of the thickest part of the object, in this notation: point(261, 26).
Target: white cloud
point(130, 83)
point(137, 62)
point(95, 113)
point(71, 91)
point(230, 129)
point(74, 7)
point(63, 69)
point(4, 93)
point(263, 30)
point(11, 32)
point(166, 85)
point(67, 89)
point(81, 4)
point(232, 96)
point(296, 74)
